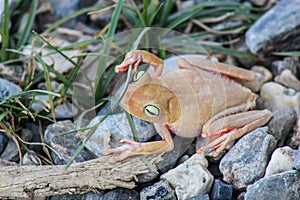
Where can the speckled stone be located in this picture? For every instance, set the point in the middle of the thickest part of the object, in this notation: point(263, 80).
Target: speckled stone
point(277, 30)
point(159, 191)
point(221, 191)
point(65, 145)
point(190, 178)
point(285, 186)
point(246, 161)
point(282, 123)
point(8, 89)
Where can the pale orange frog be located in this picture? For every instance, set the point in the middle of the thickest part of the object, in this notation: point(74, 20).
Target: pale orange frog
point(200, 98)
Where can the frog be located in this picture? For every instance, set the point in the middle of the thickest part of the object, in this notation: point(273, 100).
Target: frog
point(201, 98)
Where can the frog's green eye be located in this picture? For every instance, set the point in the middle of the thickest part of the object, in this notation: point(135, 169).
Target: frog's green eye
point(151, 111)
point(138, 75)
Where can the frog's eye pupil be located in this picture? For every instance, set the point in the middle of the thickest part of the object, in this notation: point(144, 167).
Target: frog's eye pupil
point(151, 111)
point(138, 75)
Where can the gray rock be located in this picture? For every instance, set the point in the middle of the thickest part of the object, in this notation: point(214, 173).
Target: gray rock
point(8, 89)
point(221, 191)
point(277, 29)
point(285, 186)
point(281, 160)
point(259, 2)
point(7, 163)
point(121, 194)
point(282, 123)
point(246, 161)
point(26, 135)
point(65, 145)
point(114, 128)
point(159, 191)
point(190, 178)
point(3, 141)
point(289, 63)
point(288, 79)
point(10, 152)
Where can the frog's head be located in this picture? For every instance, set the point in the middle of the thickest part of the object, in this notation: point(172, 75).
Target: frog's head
point(146, 98)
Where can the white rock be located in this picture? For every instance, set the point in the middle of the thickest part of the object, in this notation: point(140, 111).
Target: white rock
point(191, 178)
point(282, 160)
point(276, 96)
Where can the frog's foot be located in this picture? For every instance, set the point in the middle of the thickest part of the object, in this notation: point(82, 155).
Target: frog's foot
point(140, 56)
point(132, 58)
point(225, 129)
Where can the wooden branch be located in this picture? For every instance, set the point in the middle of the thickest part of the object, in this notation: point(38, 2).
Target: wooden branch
point(41, 181)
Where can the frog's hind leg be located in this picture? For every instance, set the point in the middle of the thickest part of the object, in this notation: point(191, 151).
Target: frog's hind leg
point(228, 128)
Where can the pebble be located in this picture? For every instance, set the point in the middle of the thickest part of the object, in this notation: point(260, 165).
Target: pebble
point(289, 80)
point(277, 29)
point(221, 191)
point(190, 178)
point(263, 76)
point(64, 145)
point(121, 194)
point(283, 186)
point(113, 129)
point(29, 159)
point(3, 141)
point(276, 96)
point(294, 140)
point(246, 161)
point(10, 152)
point(290, 63)
point(296, 163)
point(158, 191)
point(199, 197)
point(8, 89)
point(259, 2)
point(282, 123)
point(86, 196)
point(281, 160)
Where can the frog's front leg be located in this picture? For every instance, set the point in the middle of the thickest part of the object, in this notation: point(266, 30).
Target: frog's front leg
point(225, 129)
point(140, 56)
point(132, 148)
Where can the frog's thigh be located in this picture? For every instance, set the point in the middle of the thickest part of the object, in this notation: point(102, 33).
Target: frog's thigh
point(246, 121)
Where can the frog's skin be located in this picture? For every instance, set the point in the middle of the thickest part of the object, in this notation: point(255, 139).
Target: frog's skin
point(200, 98)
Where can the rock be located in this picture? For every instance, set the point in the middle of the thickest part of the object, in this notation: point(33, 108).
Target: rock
point(7, 163)
point(170, 158)
point(10, 152)
point(287, 79)
point(29, 159)
point(52, 58)
point(288, 63)
point(113, 129)
point(199, 197)
point(36, 137)
point(62, 111)
point(276, 96)
point(65, 145)
point(282, 123)
point(284, 185)
point(296, 163)
point(86, 196)
point(3, 141)
point(277, 29)
point(246, 161)
point(281, 160)
point(221, 191)
point(190, 178)
point(295, 138)
point(160, 190)
point(259, 2)
point(26, 135)
point(8, 89)
point(121, 194)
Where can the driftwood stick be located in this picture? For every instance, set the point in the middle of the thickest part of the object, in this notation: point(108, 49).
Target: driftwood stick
point(41, 181)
